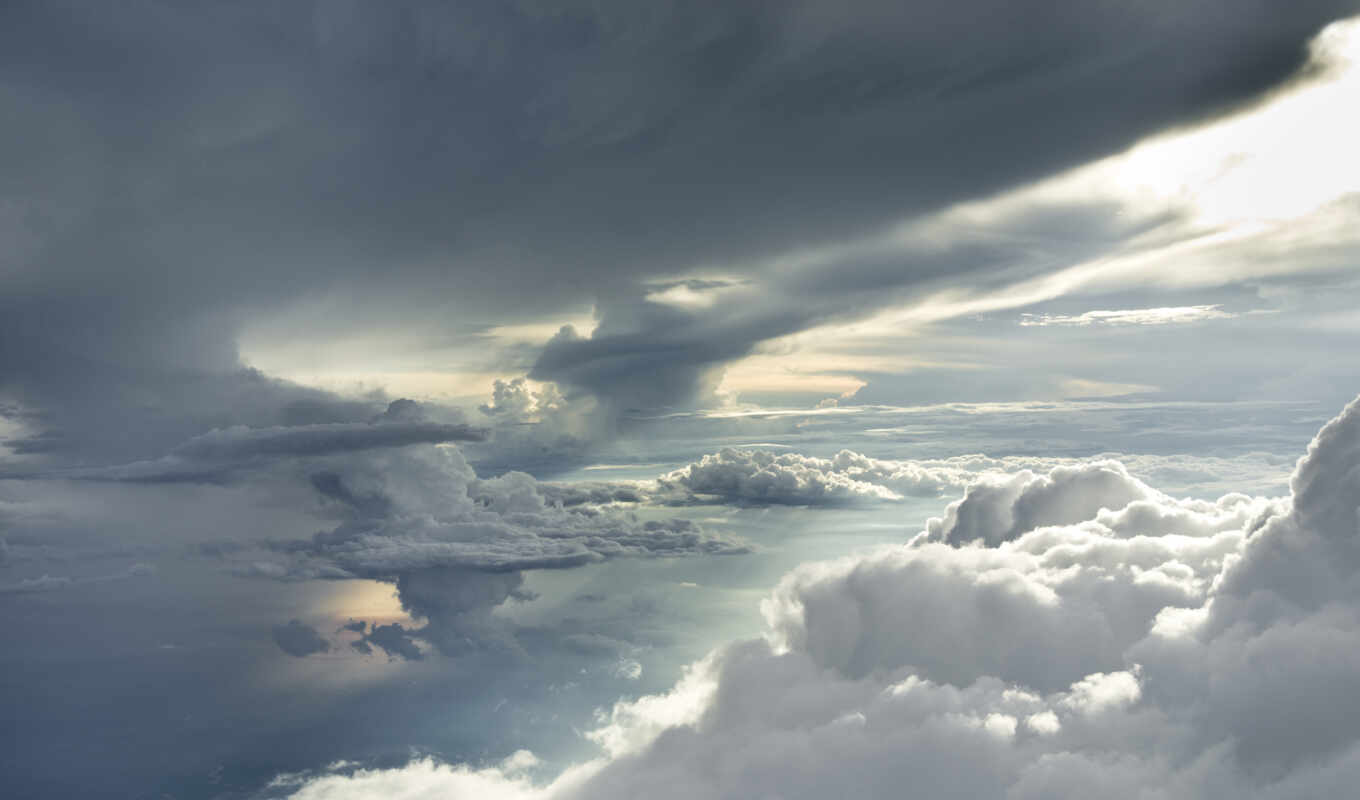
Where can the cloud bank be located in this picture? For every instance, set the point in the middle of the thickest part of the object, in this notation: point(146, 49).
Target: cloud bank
point(1032, 487)
point(1157, 649)
point(761, 477)
point(456, 545)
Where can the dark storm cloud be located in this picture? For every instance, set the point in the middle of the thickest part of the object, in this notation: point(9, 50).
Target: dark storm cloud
point(222, 453)
point(663, 359)
point(299, 639)
point(319, 440)
point(646, 355)
point(457, 605)
point(175, 171)
point(394, 639)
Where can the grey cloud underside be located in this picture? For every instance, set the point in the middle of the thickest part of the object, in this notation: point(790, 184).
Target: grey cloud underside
point(1161, 648)
point(220, 453)
point(49, 583)
point(644, 356)
point(313, 440)
point(179, 172)
point(299, 640)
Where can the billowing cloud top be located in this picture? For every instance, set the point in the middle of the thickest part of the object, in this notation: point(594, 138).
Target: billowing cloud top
point(1181, 656)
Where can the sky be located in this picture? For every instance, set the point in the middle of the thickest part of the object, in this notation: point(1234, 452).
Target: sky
point(530, 401)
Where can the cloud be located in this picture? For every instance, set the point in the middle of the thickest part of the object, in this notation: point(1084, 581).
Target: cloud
point(681, 347)
point(535, 428)
point(437, 513)
point(299, 639)
point(1024, 491)
point(693, 293)
point(1133, 316)
point(456, 604)
point(215, 455)
point(456, 545)
point(999, 510)
point(1069, 660)
point(312, 440)
point(418, 188)
point(763, 477)
point(317, 209)
point(1155, 218)
point(321, 218)
point(393, 639)
point(48, 583)
point(413, 512)
point(504, 781)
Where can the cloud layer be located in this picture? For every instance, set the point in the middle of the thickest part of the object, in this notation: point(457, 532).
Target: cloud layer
point(1151, 649)
point(455, 545)
point(1003, 496)
point(761, 477)
point(410, 170)
point(1130, 316)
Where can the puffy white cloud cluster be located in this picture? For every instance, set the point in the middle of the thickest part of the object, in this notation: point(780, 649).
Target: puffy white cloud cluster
point(761, 477)
point(998, 508)
point(758, 476)
point(536, 427)
point(1151, 650)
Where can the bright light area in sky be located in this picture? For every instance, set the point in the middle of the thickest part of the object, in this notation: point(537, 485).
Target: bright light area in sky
point(682, 296)
point(1141, 316)
point(1257, 192)
point(1285, 158)
point(417, 363)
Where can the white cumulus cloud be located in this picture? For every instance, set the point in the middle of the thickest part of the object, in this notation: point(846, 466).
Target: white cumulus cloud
point(1096, 638)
